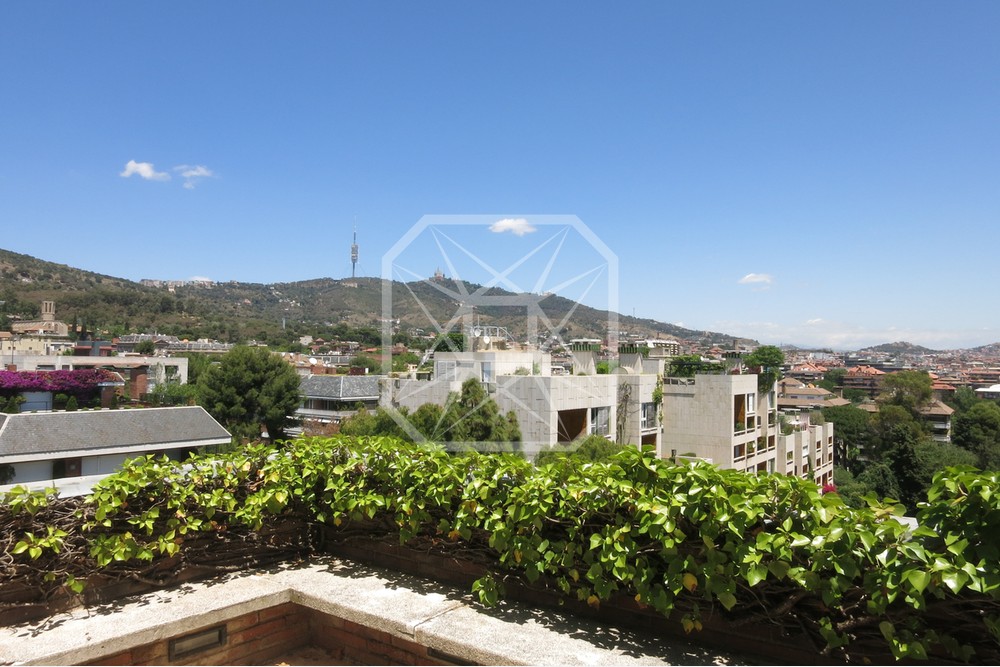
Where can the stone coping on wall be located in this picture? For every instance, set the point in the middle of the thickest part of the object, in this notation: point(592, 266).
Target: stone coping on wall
point(442, 618)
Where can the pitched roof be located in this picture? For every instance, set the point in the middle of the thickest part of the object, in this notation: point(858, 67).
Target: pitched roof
point(42, 435)
point(340, 387)
point(808, 367)
point(830, 401)
point(864, 370)
point(936, 407)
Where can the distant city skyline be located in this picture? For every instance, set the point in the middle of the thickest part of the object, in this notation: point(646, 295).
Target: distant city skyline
point(820, 175)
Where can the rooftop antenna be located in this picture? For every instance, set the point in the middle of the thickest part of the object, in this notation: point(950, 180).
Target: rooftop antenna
point(354, 249)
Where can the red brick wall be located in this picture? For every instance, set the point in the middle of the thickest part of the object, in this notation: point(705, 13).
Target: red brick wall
point(265, 636)
point(355, 644)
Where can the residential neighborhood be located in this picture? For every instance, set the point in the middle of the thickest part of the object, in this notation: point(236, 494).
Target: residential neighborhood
point(559, 394)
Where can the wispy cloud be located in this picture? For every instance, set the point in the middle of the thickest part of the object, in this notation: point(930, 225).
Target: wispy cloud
point(144, 170)
point(192, 173)
point(756, 279)
point(516, 226)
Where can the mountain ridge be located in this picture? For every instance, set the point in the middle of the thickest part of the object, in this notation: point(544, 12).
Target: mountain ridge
point(235, 310)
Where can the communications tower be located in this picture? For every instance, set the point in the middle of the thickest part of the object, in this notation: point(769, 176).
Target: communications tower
point(354, 251)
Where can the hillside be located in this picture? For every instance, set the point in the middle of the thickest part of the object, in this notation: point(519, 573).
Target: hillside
point(276, 313)
point(898, 348)
point(991, 350)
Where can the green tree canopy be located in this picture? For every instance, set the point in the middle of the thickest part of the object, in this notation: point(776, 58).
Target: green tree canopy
point(586, 449)
point(833, 379)
point(429, 420)
point(963, 399)
point(935, 456)
point(367, 362)
point(475, 421)
point(145, 347)
point(767, 360)
point(450, 342)
point(978, 431)
point(249, 388)
point(851, 432)
point(198, 363)
point(470, 419)
point(173, 393)
point(880, 480)
point(910, 390)
point(689, 365)
point(401, 361)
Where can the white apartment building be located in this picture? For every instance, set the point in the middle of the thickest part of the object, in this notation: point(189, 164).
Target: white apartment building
point(550, 409)
point(720, 418)
point(808, 452)
point(724, 419)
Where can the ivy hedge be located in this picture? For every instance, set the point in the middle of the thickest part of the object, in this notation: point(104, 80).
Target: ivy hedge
point(689, 541)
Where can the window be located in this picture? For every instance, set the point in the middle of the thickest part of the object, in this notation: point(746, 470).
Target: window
point(445, 370)
point(487, 371)
point(750, 402)
point(647, 416)
point(599, 421)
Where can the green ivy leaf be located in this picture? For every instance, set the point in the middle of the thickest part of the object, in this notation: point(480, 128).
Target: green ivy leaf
point(727, 599)
point(918, 579)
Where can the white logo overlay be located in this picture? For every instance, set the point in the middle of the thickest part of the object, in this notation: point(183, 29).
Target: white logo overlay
point(520, 304)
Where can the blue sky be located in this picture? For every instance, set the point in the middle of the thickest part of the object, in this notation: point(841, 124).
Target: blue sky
point(795, 172)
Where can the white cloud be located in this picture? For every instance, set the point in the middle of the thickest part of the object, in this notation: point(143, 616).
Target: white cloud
point(144, 170)
point(517, 226)
point(754, 278)
point(815, 321)
point(191, 174)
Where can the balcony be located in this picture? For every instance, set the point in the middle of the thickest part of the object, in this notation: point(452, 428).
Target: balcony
point(743, 426)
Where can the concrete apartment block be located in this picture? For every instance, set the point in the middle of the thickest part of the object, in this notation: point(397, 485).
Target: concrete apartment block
point(551, 409)
point(808, 452)
point(720, 418)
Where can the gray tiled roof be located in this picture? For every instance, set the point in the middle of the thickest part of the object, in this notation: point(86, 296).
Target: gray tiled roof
point(342, 387)
point(45, 433)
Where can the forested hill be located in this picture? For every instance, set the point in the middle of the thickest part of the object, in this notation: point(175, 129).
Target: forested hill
point(898, 348)
point(275, 313)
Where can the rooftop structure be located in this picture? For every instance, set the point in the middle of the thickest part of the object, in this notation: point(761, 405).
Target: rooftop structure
point(328, 399)
point(45, 447)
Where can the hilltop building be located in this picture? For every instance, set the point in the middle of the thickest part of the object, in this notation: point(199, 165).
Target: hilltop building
point(48, 325)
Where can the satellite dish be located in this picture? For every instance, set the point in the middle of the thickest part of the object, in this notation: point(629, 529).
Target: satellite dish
point(312, 360)
point(477, 332)
point(486, 340)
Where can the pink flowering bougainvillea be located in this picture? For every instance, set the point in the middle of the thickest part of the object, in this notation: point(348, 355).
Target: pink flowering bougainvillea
point(80, 382)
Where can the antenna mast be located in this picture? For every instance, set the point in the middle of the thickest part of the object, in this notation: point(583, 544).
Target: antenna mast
point(354, 249)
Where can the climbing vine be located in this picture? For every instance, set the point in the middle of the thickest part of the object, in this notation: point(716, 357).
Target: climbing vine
point(686, 541)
